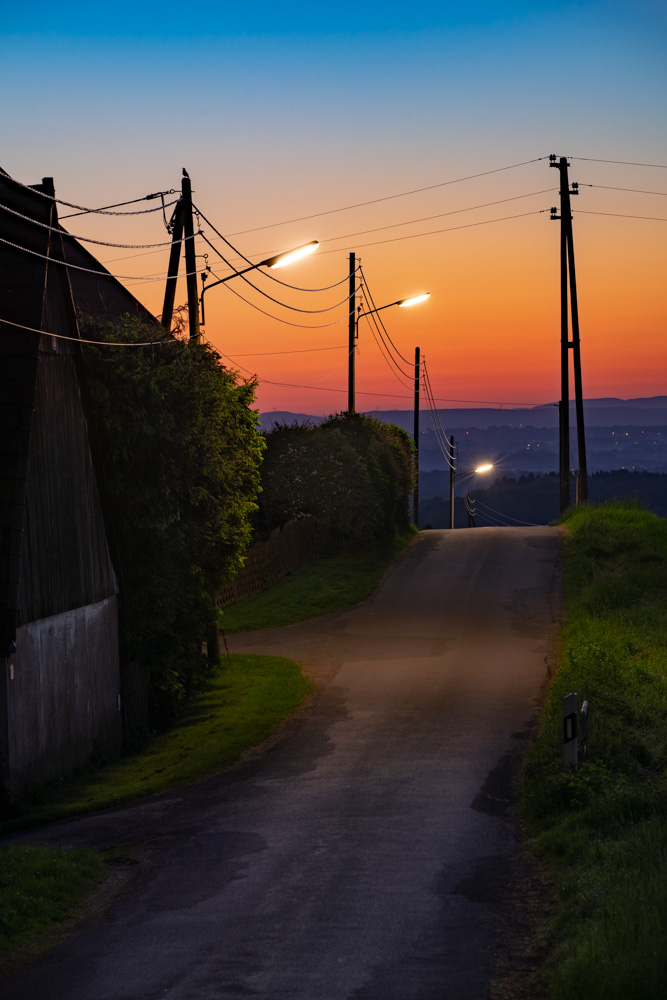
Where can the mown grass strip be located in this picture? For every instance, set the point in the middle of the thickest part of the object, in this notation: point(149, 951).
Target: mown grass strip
point(602, 832)
point(243, 704)
point(40, 887)
point(317, 588)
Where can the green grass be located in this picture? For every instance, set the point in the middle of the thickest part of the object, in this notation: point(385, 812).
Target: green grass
point(602, 832)
point(317, 588)
point(40, 887)
point(246, 700)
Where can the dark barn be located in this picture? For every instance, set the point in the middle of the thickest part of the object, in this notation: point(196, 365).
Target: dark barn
point(59, 663)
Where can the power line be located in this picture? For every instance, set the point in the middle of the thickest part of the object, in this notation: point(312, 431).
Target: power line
point(266, 294)
point(442, 215)
point(301, 350)
point(97, 343)
point(87, 239)
point(99, 211)
point(619, 215)
point(434, 232)
point(608, 187)
point(622, 163)
point(389, 197)
point(88, 270)
point(267, 274)
point(302, 326)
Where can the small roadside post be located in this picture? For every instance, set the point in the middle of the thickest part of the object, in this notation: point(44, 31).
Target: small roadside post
point(570, 742)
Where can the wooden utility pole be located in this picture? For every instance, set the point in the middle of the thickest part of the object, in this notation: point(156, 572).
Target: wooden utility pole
point(451, 482)
point(415, 437)
point(352, 327)
point(182, 234)
point(567, 271)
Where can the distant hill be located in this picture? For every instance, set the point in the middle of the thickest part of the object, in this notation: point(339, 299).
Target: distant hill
point(603, 412)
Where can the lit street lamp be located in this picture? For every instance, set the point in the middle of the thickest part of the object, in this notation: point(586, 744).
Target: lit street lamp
point(412, 300)
point(279, 260)
point(485, 467)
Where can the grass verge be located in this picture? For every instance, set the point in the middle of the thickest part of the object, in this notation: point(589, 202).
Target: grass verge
point(602, 832)
point(40, 887)
point(317, 588)
point(245, 701)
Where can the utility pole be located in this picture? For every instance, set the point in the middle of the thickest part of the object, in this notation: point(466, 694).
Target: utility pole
point(182, 234)
point(415, 437)
point(352, 327)
point(190, 257)
point(567, 270)
point(451, 482)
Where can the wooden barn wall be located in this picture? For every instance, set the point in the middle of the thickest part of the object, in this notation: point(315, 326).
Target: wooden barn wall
point(64, 695)
point(267, 562)
point(65, 559)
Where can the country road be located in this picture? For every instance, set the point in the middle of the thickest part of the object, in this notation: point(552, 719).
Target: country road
point(362, 854)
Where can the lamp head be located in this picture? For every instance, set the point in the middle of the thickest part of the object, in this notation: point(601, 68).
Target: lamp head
point(413, 300)
point(484, 468)
point(289, 256)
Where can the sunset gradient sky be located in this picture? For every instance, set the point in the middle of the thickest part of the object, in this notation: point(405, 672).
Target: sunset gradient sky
point(298, 111)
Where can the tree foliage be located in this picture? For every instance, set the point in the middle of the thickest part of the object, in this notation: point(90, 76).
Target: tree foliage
point(181, 453)
point(352, 469)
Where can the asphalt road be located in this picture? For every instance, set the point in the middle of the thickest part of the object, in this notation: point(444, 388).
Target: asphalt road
point(363, 854)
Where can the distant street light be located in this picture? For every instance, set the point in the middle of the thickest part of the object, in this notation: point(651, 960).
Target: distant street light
point(412, 300)
point(278, 260)
point(462, 474)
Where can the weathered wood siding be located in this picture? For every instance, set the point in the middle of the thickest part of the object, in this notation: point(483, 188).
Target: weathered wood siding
point(65, 560)
point(64, 693)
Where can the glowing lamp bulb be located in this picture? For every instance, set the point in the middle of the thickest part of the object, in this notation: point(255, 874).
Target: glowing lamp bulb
point(414, 300)
point(281, 259)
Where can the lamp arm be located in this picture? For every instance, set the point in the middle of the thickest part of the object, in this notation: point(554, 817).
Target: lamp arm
point(221, 281)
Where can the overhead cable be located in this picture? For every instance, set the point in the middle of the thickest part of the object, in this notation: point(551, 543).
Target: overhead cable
point(296, 288)
point(97, 343)
point(441, 215)
point(529, 524)
point(607, 187)
point(87, 239)
point(390, 197)
point(266, 294)
point(622, 163)
point(435, 232)
point(619, 215)
point(302, 326)
point(370, 296)
point(88, 270)
point(101, 211)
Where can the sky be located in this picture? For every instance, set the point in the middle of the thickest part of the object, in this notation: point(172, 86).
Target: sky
point(416, 136)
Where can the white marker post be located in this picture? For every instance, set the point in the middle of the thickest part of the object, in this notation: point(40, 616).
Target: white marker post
point(570, 743)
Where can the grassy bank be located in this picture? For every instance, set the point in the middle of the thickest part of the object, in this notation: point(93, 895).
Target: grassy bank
point(602, 832)
point(39, 888)
point(243, 704)
point(317, 588)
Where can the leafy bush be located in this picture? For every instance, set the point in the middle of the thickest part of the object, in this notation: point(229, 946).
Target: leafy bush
point(181, 452)
point(352, 469)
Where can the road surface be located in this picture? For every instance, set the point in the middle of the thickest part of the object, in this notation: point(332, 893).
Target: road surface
point(362, 855)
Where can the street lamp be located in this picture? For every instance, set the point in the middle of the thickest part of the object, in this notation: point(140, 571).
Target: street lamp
point(278, 260)
point(462, 474)
point(412, 300)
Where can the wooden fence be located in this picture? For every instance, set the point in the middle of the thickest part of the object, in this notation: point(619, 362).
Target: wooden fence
point(267, 562)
